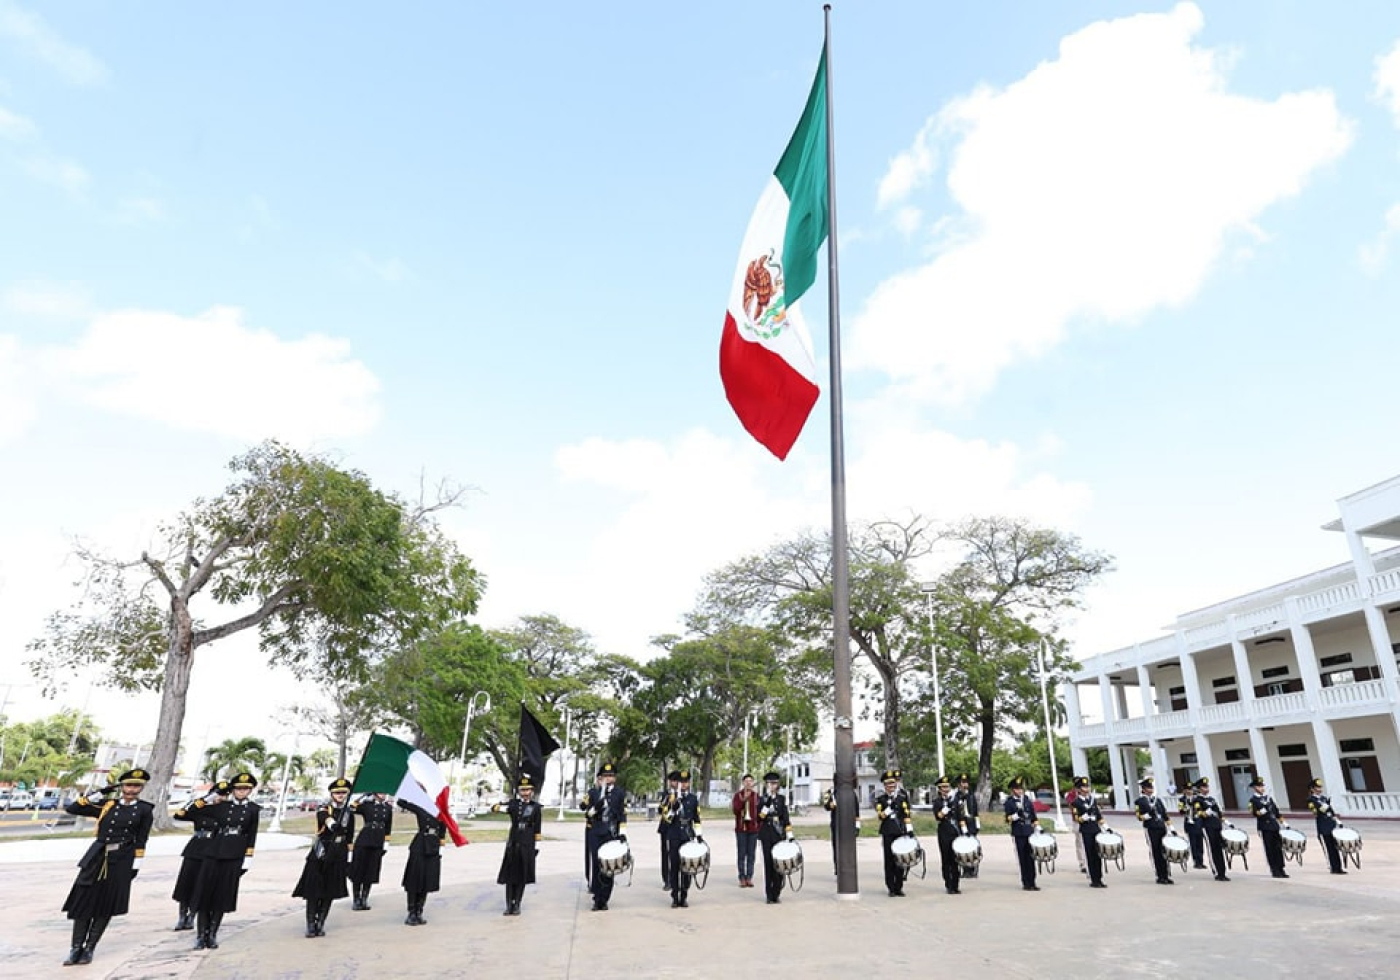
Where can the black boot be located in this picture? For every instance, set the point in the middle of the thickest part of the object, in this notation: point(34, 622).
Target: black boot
point(211, 935)
point(324, 910)
point(412, 918)
point(418, 909)
point(310, 919)
point(186, 920)
point(94, 936)
point(201, 938)
point(364, 897)
point(80, 931)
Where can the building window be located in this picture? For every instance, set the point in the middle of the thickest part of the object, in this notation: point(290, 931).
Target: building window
point(1357, 745)
point(1335, 661)
point(1275, 689)
point(1237, 755)
point(1188, 758)
point(1269, 672)
point(1223, 682)
point(1296, 750)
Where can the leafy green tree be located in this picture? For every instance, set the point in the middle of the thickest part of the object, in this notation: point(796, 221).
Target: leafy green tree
point(325, 567)
point(234, 755)
point(57, 749)
point(995, 612)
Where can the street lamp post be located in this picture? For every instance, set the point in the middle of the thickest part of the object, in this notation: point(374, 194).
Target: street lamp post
point(1050, 742)
point(748, 720)
point(466, 731)
point(928, 588)
point(563, 756)
point(275, 826)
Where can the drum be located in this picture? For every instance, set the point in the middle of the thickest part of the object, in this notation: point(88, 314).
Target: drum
point(1177, 850)
point(1044, 847)
point(695, 857)
point(787, 857)
point(1236, 841)
point(1110, 845)
point(1295, 842)
point(614, 857)
point(968, 851)
point(1349, 843)
point(906, 851)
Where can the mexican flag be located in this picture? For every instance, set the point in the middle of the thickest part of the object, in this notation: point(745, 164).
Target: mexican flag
point(397, 768)
point(765, 354)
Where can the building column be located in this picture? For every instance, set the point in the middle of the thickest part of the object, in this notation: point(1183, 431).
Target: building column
point(1244, 680)
point(1149, 703)
point(1192, 681)
point(1070, 692)
point(1107, 699)
point(1079, 761)
point(1115, 767)
point(1205, 757)
point(1329, 761)
point(1263, 765)
point(1307, 659)
point(1380, 645)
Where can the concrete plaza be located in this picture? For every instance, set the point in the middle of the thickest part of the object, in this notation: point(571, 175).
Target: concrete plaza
point(1312, 925)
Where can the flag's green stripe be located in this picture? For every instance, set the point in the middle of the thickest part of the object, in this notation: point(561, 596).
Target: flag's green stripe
point(802, 174)
point(384, 765)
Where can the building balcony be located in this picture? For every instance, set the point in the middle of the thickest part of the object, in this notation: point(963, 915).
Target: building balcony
point(1222, 714)
point(1348, 695)
point(1369, 804)
point(1278, 705)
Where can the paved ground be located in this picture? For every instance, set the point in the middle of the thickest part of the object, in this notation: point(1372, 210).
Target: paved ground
point(1312, 925)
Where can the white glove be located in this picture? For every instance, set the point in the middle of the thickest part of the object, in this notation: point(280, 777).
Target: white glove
point(765, 811)
point(789, 835)
point(590, 812)
point(136, 863)
point(247, 861)
point(331, 824)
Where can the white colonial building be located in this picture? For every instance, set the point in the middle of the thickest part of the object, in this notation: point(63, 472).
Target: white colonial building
point(1293, 681)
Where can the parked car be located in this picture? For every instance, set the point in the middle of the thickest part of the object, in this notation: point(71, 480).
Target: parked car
point(49, 801)
point(18, 800)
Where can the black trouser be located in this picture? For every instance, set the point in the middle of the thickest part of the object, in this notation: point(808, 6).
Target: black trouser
point(1026, 859)
point(1217, 848)
point(1154, 845)
point(772, 880)
point(1197, 838)
point(680, 880)
point(1334, 854)
point(1089, 832)
point(665, 860)
point(600, 884)
point(948, 858)
point(1273, 849)
point(894, 874)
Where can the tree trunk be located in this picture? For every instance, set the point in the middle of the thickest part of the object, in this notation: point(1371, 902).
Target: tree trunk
point(174, 693)
point(987, 722)
point(892, 719)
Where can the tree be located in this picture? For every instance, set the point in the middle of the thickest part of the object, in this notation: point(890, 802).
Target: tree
point(789, 587)
point(58, 748)
point(995, 612)
point(350, 709)
point(232, 756)
point(328, 569)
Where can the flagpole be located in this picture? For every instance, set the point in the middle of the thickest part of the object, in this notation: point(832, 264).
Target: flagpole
point(845, 775)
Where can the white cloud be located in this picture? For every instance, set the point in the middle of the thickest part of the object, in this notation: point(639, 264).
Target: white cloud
point(14, 126)
point(139, 210)
point(1104, 184)
point(1373, 254)
point(212, 373)
point(33, 35)
point(911, 169)
point(16, 401)
point(389, 270)
point(1387, 77)
point(58, 300)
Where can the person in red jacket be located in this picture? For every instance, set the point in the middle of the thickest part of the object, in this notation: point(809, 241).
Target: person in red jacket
point(746, 827)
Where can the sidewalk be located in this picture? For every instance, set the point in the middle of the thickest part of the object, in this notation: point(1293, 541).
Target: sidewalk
point(1314, 924)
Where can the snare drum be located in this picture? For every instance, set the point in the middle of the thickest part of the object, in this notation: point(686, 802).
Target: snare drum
point(1236, 841)
point(1294, 842)
point(1044, 847)
point(695, 857)
point(906, 851)
point(787, 857)
point(614, 857)
point(1110, 845)
point(1347, 840)
point(1176, 849)
point(968, 851)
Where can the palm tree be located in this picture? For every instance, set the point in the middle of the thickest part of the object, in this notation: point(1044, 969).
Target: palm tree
point(234, 755)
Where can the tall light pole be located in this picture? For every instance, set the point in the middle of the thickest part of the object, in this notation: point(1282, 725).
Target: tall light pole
point(748, 720)
point(1050, 741)
point(466, 731)
point(275, 826)
point(568, 721)
point(928, 589)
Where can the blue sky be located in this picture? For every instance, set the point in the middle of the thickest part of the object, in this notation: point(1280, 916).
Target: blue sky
point(1126, 269)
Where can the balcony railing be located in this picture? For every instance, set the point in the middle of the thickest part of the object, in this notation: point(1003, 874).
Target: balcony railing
point(1129, 727)
point(1369, 804)
point(1093, 733)
point(1281, 704)
point(1214, 714)
point(1362, 692)
point(1338, 595)
point(1385, 582)
point(1169, 721)
point(1203, 635)
point(1268, 616)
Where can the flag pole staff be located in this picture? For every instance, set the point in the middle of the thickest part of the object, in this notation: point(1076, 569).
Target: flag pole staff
point(845, 776)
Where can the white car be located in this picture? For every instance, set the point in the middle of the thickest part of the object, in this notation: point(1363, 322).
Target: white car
point(18, 800)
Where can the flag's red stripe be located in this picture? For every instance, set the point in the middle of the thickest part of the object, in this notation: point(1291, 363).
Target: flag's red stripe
point(444, 806)
point(771, 399)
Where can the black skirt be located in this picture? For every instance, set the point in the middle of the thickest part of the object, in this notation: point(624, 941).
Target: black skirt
point(423, 872)
point(103, 885)
point(517, 863)
point(323, 875)
point(365, 865)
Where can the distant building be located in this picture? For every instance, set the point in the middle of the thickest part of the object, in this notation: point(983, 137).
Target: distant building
point(1295, 681)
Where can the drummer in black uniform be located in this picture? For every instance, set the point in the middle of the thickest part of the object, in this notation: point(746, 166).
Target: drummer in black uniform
point(952, 824)
point(522, 843)
point(1327, 821)
point(103, 886)
point(682, 826)
point(895, 819)
point(1195, 836)
point(323, 875)
point(1020, 814)
point(376, 818)
point(606, 809)
point(200, 812)
point(668, 800)
point(1089, 818)
point(1266, 815)
point(970, 814)
point(1211, 819)
point(1152, 813)
point(777, 827)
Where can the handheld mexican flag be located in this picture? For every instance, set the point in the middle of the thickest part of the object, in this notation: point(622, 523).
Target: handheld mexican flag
point(397, 768)
point(765, 354)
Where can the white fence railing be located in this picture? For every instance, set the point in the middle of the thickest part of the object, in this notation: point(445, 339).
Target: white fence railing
point(1214, 714)
point(1362, 692)
point(1369, 804)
